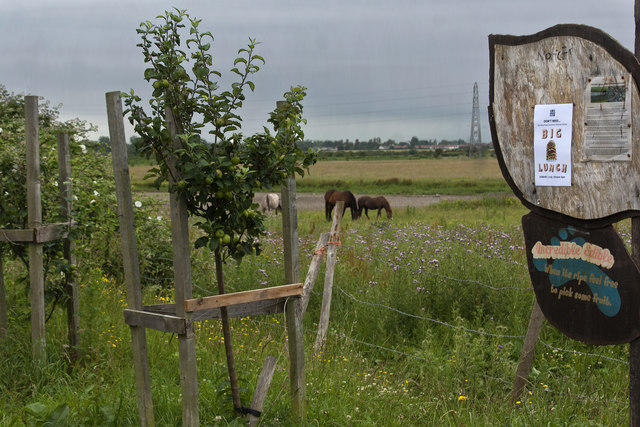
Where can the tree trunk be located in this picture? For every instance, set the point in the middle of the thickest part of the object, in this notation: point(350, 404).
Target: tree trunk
point(226, 331)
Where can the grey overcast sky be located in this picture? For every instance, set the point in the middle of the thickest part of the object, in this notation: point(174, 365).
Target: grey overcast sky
point(391, 69)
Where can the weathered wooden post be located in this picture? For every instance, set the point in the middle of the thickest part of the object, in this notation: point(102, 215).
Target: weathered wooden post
point(312, 274)
point(292, 275)
point(634, 346)
point(528, 351)
point(34, 215)
point(184, 290)
point(71, 284)
point(130, 255)
point(332, 252)
point(4, 317)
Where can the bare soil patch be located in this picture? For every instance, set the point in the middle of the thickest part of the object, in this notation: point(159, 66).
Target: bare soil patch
point(315, 202)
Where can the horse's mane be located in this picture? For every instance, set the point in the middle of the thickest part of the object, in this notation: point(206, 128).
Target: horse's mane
point(328, 194)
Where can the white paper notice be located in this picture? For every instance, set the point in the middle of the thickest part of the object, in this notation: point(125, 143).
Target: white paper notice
point(552, 144)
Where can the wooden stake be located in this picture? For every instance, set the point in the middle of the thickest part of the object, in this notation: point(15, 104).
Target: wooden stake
point(183, 285)
point(130, 255)
point(293, 320)
point(528, 351)
point(260, 393)
point(4, 318)
point(312, 274)
point(34, 213)
point(71, 284)
point(634, 346)
point(334, 241)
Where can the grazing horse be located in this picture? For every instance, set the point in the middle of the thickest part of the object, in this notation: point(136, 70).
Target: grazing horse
point(271, 202)
point(379, 203)
point(333, 196)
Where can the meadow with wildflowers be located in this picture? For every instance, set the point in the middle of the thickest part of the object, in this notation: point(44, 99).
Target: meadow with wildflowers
point(427, 322)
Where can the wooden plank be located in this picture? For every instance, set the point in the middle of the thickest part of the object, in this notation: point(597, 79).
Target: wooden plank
point(34, 219)
point(42, 234)
point(528, 351)
point(332, 252)
point(255, 308)
point(260, 392)
point(312, 273)
point(51, 232)
point(17, 236)
point(226, 300)
point(159, 322)
point(68, 245)
point(130, 255)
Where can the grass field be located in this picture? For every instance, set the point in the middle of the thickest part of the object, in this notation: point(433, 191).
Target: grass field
point(420, 176)
point(427, 321)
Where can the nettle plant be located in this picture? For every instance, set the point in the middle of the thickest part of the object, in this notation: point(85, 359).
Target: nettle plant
point(218, 178)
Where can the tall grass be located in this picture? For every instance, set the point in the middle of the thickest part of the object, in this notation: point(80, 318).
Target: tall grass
point(426, 328)
point(459, 176)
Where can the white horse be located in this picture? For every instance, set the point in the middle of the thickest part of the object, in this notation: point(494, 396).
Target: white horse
point(271, 202)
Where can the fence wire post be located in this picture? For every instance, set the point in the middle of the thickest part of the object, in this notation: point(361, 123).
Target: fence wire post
point(34, 211)
point(528, 351)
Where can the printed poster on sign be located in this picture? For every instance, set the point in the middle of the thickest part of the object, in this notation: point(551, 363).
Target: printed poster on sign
point(552, 144)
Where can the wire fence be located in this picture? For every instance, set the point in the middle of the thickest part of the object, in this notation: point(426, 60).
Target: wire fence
point(394, 266)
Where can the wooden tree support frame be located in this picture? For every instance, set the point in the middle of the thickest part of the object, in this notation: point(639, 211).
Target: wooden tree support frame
point(36, 234)
point(179, 317)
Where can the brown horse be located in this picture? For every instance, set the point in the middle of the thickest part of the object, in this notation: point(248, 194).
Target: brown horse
point(333, 196)
point(365, 203)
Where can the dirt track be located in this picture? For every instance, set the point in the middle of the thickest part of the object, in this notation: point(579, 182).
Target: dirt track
point(313, 202)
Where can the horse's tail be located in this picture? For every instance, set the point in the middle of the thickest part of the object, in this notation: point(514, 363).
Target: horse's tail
point(355, 212)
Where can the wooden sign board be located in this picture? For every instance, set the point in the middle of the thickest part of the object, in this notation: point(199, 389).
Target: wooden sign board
point(585, 68)
point(584, 279)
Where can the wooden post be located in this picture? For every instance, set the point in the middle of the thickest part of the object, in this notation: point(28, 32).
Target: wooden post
point(182, 280)
point(528, 351)
point(634, 346)
point(130, 255)
point(334, 240)
point(4, 318)
point(34, 219)
point(260, 393)
point(290, 231)
point(312, 274)
point(71, 284)
point(294, 322)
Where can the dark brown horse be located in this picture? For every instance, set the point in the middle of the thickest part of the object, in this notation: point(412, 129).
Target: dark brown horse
point(333, 196)
point(365, 203)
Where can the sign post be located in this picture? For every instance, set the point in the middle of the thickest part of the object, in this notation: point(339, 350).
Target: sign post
point(564, 105)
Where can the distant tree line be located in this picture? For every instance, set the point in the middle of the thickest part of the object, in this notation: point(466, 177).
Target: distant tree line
point(346, 149)
point(377, 143)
